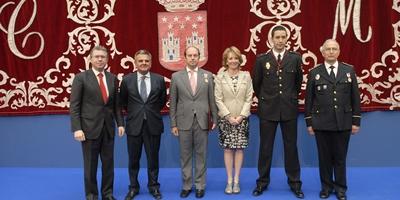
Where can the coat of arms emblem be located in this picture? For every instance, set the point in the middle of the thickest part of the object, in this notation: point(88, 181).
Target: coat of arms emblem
point(180, 28)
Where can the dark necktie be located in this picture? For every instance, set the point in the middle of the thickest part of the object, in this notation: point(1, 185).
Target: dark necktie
point(279, 59)
point(331, 73)
point(143, 89)
point(102, 87)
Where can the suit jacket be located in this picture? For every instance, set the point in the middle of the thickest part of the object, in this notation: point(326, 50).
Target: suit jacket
point(231, 102)
point(87, 108)
point(332, 104)
point(277, 87)
point(135, 107)
point(184, 105)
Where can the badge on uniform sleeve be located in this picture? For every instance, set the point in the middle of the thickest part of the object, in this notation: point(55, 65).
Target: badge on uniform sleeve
point(317, 77)
point(267, 65)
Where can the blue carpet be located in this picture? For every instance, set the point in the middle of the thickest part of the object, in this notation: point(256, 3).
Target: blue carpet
point(67, 184)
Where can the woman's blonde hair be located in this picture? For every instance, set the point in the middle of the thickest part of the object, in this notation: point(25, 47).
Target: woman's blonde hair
point(235, 51)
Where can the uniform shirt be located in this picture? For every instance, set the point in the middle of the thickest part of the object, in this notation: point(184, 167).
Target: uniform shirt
point(276, 53)
point(328, 69)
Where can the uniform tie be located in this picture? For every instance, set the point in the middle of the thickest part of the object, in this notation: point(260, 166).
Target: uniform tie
point(279, 59)
point(102, 87)
point(331, 73)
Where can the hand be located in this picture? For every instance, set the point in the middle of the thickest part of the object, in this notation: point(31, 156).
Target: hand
point(174, 130)
point(232, 120)
point(121, 131)
point(79, 135)
point(310, 130)
point(354, 129)
point(213, 126)
point(239, 119)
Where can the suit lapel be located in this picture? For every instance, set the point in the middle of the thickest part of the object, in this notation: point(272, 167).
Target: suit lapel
point(186, 82)
point(135, 85)
point(110, 84)
point(285, 59)
point(200, 77)
point(152, 85)
point(240, 80)
point(340, 72)
point(229, 81)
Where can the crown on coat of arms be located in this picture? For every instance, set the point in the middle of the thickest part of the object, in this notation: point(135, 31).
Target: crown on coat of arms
point(180, 5)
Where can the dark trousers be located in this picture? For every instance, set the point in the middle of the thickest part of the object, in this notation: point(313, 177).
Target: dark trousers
point(152, 147)
point(267, 138)
point(103, 146)
point(332, 153)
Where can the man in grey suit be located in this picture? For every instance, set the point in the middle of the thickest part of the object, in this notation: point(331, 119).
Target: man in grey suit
point(94, 109)
point(192, 100)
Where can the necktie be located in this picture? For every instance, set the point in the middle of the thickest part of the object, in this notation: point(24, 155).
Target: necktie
point(192, 80)
point(279, 59)
point(143, 88)
point(102, 87)
point(331, 73)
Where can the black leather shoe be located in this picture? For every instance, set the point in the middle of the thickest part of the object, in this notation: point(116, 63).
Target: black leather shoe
point(200, 193)
point(156, 194)
point(258, 190)
point(132, 193)
point(341, 195)
point(185, 193)
point(298, 193)
point(324, 194)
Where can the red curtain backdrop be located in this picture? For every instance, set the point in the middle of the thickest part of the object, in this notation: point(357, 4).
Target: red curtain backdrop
point(45, 43)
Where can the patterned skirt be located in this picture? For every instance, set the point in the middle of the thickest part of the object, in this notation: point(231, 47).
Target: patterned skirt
point(233, 136)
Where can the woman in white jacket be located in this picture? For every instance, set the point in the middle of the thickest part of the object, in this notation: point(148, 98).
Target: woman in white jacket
point(233, 95)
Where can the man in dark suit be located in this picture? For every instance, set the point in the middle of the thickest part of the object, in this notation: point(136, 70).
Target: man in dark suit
point(332, 112)
point(143, 95)
point(93, 109)
point(192, 101)
point(277, 77)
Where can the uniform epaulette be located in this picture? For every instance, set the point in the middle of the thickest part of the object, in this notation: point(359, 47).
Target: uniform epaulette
point(295, 52)
point(317, 65)
point(263, 54)
point(347, 64)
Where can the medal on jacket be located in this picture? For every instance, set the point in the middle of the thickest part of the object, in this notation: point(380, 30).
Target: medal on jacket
point(348, 77)
point(267, 65)
point(205, 78)
point(317, 77)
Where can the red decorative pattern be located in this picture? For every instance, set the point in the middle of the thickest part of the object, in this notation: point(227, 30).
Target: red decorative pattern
point(45, 43)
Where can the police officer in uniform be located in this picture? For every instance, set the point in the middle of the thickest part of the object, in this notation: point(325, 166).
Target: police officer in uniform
point(277, 77)
point(332, 113)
